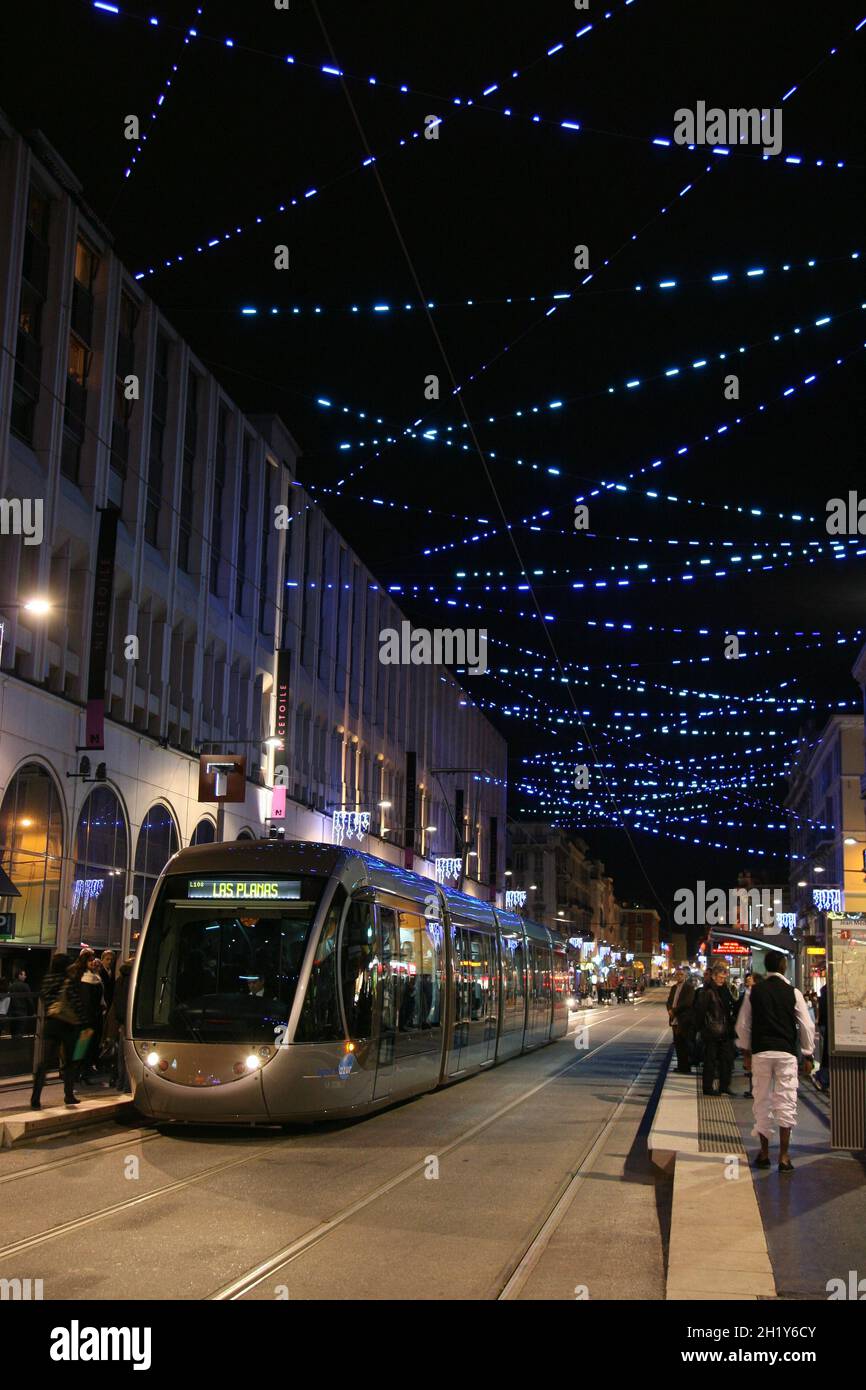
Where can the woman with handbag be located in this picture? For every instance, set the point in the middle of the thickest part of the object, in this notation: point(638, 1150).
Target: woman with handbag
point(60, 1019)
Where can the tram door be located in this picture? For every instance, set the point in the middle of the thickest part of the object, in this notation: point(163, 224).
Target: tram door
point(410, 997)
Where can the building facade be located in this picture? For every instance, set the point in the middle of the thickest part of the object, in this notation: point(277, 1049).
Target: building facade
point(640, 938)
point(236, 614)
point(828, 838)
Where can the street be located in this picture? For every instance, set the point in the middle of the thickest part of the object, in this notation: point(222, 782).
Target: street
point(347, 1211)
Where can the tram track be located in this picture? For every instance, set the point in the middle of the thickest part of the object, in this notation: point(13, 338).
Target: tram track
point(528, 1261)
point(245, 1283)
point(87, 1150)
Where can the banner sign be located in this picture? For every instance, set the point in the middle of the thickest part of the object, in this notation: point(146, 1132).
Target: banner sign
point(284, 672)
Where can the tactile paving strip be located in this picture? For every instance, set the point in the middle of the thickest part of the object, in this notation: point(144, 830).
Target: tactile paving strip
point(718, 1131)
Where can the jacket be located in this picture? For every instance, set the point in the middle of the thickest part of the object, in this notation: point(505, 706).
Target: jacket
point(684, 1012)
point(22, 1002)
point(713, 1007)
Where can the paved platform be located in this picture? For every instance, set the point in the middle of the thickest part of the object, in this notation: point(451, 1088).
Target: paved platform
point(18, 1122)
point(698, 1137)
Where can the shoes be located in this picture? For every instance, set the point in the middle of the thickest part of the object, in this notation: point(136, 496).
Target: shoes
point(761, 1162)
point(726, 1092)
point(786, 1166)
point(748, 1095)
point(72, 1100)
point(35, 1104)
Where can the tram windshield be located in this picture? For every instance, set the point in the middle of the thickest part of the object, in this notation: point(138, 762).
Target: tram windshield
point(221, 958)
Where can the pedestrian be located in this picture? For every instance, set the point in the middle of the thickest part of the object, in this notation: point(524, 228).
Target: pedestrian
point(747, 985)
point(714, 1018)
point(772, 1018)
point(60, 1018)
point(105, 971)
point(681, 1000)
point(5, 998)
point(94, 1010)
point(118, 1015)
point(822, 1075)
point(22, 1006)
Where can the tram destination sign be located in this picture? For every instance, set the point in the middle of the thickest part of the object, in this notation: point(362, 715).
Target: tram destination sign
point(245, 889)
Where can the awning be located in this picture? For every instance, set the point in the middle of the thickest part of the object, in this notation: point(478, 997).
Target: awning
point(7, 887)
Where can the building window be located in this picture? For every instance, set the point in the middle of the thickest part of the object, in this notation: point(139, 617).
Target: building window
point(34, 292)
point(157, 842)
point(204, 833)
point(187, 482)
point(101, 862)
point(31, 852)
point(158, 418)
point(246, 482)
point(219, 484)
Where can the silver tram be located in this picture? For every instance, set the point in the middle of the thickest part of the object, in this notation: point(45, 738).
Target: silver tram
point(279, 982)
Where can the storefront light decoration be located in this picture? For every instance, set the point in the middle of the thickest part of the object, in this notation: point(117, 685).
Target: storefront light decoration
point(353, 824)
point(827, 899)
point(83, 889)
point(787, 921)
point(514, 898)
point(448, 866)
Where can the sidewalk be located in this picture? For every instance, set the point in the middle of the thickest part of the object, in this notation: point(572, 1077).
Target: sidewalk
point(780, 1236)
point(815, 1218)
point(18, 1122)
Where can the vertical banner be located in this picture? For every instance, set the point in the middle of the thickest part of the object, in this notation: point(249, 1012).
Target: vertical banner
point(284, 674)
point(278, 803)
point(409, 817)
point(459, 846)
point(100, 627)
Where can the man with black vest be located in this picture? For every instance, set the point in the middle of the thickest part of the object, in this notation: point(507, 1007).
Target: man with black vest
point(772, 1018)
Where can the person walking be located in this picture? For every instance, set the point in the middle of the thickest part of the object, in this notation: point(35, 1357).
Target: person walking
point(681, 1001)
point(772, 1019)
point(60, 1018)
point(94, 1005)
point(714, 1018)
point(750, 979)
point(119, 1009)
point(822, 1075)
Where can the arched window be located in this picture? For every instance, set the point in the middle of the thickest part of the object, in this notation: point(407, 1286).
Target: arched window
point(204, 833)
point(157, 842)
point(101, 862)
point(246, 835)
point(31, 853)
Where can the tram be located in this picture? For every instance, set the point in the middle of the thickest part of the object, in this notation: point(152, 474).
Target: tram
point(279, 982)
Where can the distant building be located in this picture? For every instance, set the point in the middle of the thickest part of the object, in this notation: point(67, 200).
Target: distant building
point(233, 611)
point(640, 937)
point(566, 888)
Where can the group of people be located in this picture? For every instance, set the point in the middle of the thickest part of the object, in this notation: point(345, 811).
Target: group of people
point(769, 1021)
point(81, 1022)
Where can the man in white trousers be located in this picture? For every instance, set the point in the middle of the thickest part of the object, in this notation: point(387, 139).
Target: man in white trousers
point(772, 1018)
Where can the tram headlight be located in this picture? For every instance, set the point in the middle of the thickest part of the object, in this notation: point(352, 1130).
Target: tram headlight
point(152, 1058)
point(253, 1062)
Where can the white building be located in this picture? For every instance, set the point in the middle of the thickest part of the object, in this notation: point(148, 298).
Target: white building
point(219, 598)
point(828, 836)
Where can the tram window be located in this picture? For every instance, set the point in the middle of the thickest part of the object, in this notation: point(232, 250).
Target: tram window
point(320, 1019)
point(359, 962)
point(419, 975)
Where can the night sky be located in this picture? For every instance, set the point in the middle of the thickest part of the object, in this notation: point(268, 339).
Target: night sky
point(492, 211)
